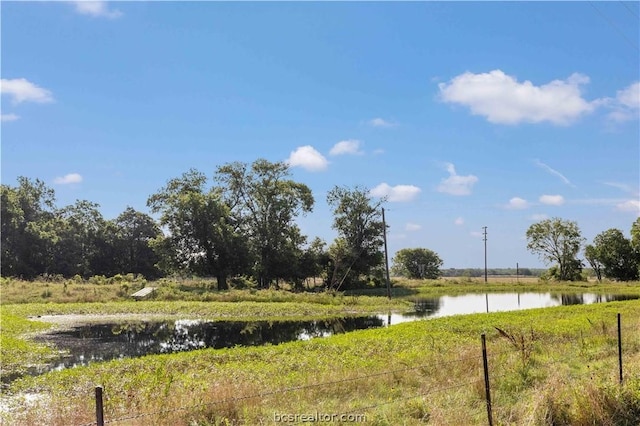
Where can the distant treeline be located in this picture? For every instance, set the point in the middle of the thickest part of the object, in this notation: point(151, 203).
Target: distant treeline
point(479, 272)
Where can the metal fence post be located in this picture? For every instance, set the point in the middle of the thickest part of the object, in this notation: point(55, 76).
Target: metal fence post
point(99, 407)
point(619, 349)
point(487, 388)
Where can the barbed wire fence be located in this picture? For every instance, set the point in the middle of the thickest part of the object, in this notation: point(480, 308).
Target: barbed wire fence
point(485, 364)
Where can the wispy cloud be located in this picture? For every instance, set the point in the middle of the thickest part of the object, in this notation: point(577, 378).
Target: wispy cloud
point(21, 90)
point(308, 158)
point(501, 99)
point(8, 117)
point(553, 172)
point(68, 179)
point(552, 200)
point(398, 193)
point(381, 122)
point(623, 187)
point(517, 203)
point(538, 216)
point(626, 105)
point(459, 221)
point(350, 146)
point(629, 206)
point(98, 9)
point(412, 227)
point(456, 184)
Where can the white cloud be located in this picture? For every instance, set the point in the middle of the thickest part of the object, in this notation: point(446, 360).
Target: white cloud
point(552, 200)
point(412, 227)
point(8, 117)
point(308, 158)
point(96, 9)
point(398, 193)
point(538, 217)
point(350, 146)
point(630, 96)
point(626, 105)
point(381, 122)
point(456, 184)
point(459, 221)
point(553, 172)
point(503, 100)
point(629, 206)
point(22, 90)
point(378, 151)
point(517, 203)
point(476, 234)
point(68, 179)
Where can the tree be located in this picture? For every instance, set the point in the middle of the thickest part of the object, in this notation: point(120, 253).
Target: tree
point(616, 255)
point(264, 202)
point(203, 237)
point(29, 232)
point(358, 220)
point(635, 235)
point(134, 232)
point(81, 229)
point(593, 257)
point(417, 263)
point(559, 241)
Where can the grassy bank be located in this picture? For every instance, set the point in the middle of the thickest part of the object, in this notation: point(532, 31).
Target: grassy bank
point(547, 366)
point(203, 290)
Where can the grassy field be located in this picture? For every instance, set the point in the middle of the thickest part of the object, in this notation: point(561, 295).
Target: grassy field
point(547, 366)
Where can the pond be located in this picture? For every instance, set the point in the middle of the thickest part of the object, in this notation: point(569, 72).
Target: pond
point(87, 343)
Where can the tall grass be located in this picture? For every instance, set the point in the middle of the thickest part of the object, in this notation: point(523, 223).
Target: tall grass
point(411, 373)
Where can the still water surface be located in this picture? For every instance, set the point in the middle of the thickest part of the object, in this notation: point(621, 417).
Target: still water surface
point(88, 343)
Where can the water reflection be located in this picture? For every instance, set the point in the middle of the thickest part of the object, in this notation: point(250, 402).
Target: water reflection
point(497, 302)
point(102, 342)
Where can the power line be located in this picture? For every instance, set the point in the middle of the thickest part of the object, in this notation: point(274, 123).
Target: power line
point(629, 9)
point(613, 24)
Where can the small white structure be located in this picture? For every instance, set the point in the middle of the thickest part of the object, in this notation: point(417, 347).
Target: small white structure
point(144, 292)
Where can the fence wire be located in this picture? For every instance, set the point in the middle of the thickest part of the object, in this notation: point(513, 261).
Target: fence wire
point(610, 351)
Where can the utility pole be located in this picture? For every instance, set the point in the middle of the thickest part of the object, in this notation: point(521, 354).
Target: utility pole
point(386, 255)
point(485, 253)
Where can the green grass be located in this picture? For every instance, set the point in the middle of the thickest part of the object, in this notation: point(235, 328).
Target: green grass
point(16, 352)
point(559, 368)
point(548, 366)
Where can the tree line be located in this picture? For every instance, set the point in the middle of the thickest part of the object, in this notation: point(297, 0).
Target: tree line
point(242, 222)
point(611, 255)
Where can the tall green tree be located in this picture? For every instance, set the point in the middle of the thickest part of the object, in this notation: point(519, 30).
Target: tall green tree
point(29, 232)
point(358, 249)
point(203, 238)
point(82, 228)
point(592, 255)
point(557, 241)
point(616, 254)
point(134, 232)
point(417, 263)
point(265, 203)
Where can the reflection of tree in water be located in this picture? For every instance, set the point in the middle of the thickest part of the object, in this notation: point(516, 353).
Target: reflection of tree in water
point(425, 307)
point(101, 342)
point(578, 299)
point(619, 297)
point(569, 299)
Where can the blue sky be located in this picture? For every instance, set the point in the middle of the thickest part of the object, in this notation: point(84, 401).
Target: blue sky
point(463, 114)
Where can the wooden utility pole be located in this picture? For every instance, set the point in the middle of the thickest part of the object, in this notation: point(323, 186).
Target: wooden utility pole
point(485, 253)
point(386, 255)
